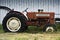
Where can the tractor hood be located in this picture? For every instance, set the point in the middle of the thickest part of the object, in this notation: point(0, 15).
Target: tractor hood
point(35, 15)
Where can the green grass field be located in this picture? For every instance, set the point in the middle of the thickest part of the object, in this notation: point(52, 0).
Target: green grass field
point(32, 33)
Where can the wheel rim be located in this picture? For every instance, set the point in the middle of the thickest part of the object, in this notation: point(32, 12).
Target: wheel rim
point(13, 24)
point(49, 29)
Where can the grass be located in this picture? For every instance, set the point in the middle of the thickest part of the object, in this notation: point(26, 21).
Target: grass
point(58, 26)
point(34, 29)
point(58, 38)
point(32, 33)
point(1, 29)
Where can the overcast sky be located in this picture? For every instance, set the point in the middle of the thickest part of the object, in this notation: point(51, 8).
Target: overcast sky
point(33, 5)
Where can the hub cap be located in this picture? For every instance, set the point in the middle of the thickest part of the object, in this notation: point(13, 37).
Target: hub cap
point(13, 24)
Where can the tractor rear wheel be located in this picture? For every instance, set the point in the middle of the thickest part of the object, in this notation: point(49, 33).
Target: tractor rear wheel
point(14, 22)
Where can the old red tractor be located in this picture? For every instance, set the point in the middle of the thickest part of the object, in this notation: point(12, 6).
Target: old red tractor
point(18, 22)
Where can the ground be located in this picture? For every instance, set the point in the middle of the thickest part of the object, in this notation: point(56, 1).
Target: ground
point(33, 33)
point(27, 36)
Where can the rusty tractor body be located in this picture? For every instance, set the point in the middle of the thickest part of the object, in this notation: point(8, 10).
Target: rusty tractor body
point(36, 18)
point(15, 21)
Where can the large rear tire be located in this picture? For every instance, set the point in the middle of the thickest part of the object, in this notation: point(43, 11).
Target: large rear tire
point(14, 22)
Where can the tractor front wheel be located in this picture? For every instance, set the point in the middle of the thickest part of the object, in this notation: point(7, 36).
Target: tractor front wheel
point(49, 28)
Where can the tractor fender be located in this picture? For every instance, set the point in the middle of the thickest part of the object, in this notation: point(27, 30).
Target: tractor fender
point(14, 12)
point(5, 8)
point(11, 10)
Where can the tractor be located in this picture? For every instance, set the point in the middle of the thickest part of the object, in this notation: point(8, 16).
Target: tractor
point(15, 21)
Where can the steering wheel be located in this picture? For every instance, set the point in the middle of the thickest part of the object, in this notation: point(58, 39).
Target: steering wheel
point(25, 10)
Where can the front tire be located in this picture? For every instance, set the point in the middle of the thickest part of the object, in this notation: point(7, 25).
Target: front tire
point(49, 28)
point(14, 22)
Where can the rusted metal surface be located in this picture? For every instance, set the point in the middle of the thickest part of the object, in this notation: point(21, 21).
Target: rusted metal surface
point(37, 16)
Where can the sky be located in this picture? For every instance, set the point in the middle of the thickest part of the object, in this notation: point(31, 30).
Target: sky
point(32, 5)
